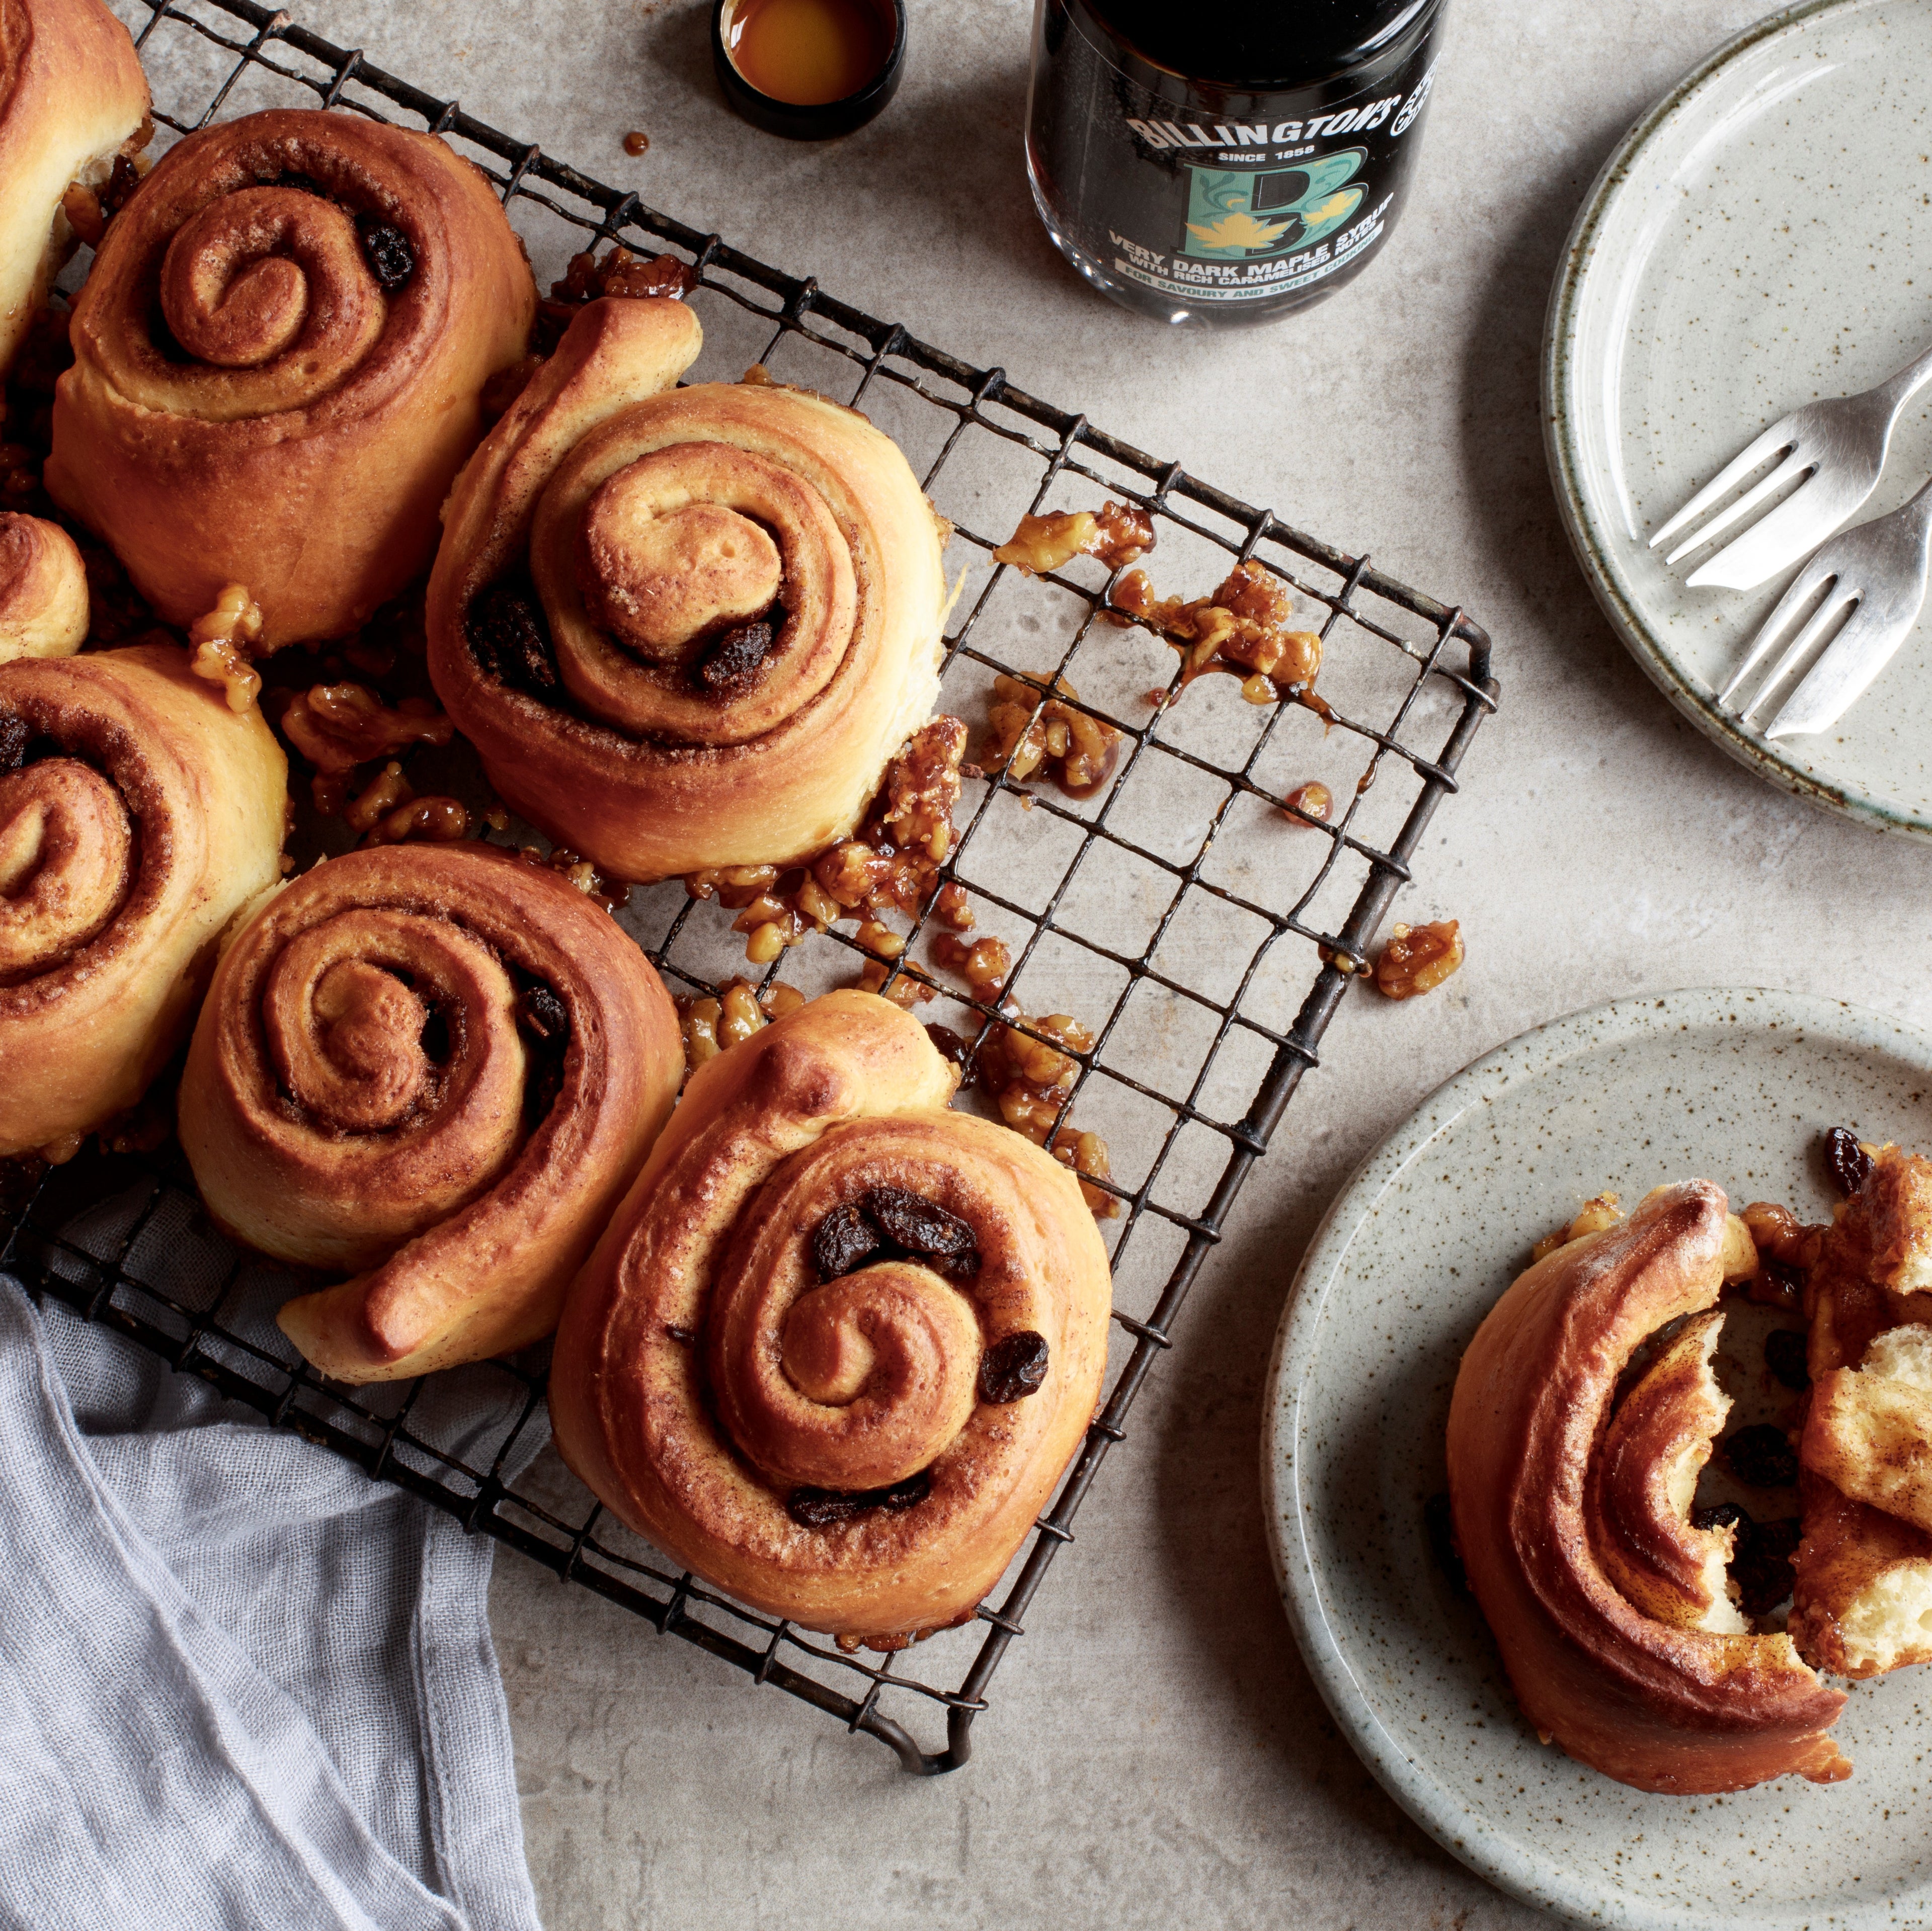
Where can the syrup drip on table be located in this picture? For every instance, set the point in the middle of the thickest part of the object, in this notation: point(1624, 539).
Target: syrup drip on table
point(808, 53)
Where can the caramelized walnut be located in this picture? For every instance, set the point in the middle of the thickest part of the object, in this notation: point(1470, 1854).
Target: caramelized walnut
point(1029, 1081)
point(221, 637)
point(1314, 801)
point(337, 726)
point(984, 964)
point(436, 821)
point(890, 864)
point(1418, 959)
point(1117, 534)
point(621, 272)
point(1077, 750)
point(576, 869)
point(1244, 628)
point(709, 1025)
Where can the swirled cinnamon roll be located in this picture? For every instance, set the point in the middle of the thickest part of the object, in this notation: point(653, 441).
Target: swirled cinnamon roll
point(138, 814)
point(73, 98)
point(279, 359)
point(42, 590)
point(685, 628)
point(1572, 1514)
point(433, 1068)
point(839, 1341)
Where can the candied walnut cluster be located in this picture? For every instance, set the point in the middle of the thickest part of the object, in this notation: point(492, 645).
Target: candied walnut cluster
point(337, 726)
point(221, 638)
point(586, 279)
point(1029, 1080)
point(388, 812)
point(621, 272)
point(738, 1009)
point(1117, 534)
point(1246, 628)
point(1418, 959)
point(1079, 752)
point(891, 863)
point(572, 866)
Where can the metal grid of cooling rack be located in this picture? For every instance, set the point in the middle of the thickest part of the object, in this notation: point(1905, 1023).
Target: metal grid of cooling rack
point(1110, 889)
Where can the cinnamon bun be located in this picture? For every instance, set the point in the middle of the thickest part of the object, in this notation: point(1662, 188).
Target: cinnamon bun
point(138, 814)
point(434, 1070)
point(839, 1341)
point(279, 356)
point(1572, 1513)
point(685, 629)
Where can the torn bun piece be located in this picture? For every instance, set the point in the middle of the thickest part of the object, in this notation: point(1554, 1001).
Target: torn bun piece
point(1572, 1515)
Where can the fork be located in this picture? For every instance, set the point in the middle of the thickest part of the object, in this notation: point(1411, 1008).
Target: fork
point(1878, 571)
point(1839, 445)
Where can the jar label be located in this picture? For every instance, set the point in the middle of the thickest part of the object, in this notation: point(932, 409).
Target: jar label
point(1216, 207)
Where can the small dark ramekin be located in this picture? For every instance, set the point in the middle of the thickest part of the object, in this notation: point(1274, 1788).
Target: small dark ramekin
point(830, 118)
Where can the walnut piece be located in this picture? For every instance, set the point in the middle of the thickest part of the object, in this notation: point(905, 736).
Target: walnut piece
point(1418, 959)
point(1079, 751)
point(1244, 629)
point(1117, 534)
point(221, 638)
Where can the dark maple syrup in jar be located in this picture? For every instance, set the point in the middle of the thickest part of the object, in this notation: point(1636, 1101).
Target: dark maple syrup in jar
point(809, 53)
point(1225, 164)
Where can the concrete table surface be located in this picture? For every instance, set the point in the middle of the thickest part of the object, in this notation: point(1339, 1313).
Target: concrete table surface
point(1155, 1753)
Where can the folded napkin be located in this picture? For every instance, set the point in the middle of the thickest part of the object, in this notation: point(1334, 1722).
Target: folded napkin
point(241, 1684)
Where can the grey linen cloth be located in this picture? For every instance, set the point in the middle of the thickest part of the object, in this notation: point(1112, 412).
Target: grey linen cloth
point(241, 1684)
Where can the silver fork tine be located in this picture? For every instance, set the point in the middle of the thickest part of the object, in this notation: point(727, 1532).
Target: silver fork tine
point(1839, 677)
point(1778, 438)
point(1809, 581)
point(1836, 598)
point(1742, 508)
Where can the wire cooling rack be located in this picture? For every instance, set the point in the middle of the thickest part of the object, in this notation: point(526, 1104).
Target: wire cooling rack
point(1204, 932)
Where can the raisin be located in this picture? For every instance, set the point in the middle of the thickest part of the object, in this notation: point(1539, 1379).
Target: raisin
point(1439, 1525)
point(845, 1240)
point(16, 734)
point(954, 1266)
point(541, 1018)
point(736, 657)
point(827, 1508)
point(506, 637)
point(1721, 1515)
point(1761, 1456)
point(916, 1225)
point(1848, 1161)
point(1013, 1367)
point(950, 1044)
point(1784, 1356)
point(391, 260)
point(122, 180)
point(1762, 1565)
point(1783, 1285)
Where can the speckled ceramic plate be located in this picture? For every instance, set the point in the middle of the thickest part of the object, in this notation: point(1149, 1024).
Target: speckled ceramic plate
point(1734, 1086)
point(1763, 236)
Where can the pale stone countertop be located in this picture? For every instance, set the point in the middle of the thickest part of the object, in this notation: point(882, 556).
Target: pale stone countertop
point(1155, 1753)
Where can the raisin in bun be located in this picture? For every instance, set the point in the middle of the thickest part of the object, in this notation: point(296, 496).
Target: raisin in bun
point(839, 1341)
point(280, 356)
point(685, 628)
point(1572, 1514)
point(73, 98)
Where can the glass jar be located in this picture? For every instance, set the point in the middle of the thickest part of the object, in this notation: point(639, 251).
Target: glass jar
point(1223, 164)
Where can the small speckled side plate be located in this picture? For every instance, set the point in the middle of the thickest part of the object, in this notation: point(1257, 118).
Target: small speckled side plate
point(1763, 236)
point(1734, 1086)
